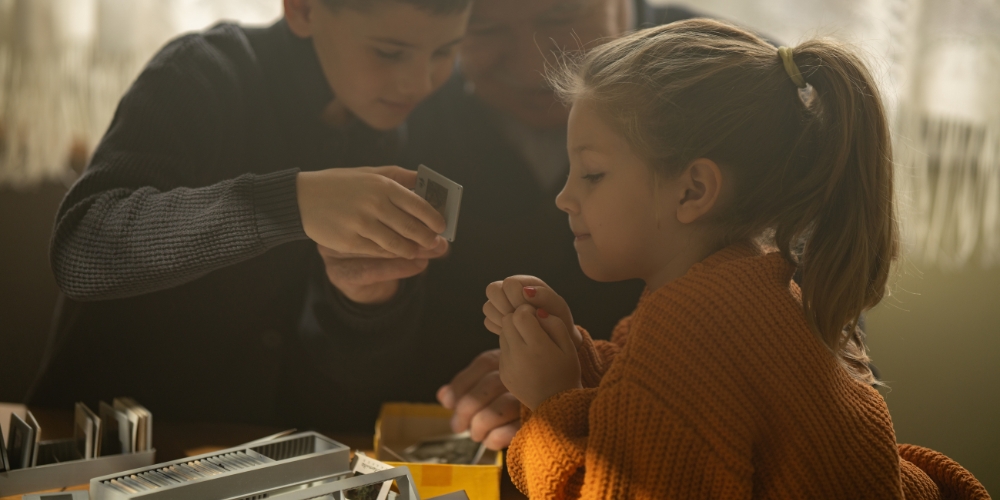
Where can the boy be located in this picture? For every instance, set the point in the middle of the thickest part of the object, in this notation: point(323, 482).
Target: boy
point(184, 249)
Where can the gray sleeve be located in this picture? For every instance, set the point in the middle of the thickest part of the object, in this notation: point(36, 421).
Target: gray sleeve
point(119, 242)
point(143, 217)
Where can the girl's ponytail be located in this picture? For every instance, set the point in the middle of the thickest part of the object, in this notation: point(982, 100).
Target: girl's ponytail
point(846, 226)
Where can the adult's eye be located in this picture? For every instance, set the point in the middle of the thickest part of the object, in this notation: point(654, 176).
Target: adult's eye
point(485, 30)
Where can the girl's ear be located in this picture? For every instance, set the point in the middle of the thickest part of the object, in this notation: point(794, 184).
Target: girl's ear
point(298, 14)
point(699, 187)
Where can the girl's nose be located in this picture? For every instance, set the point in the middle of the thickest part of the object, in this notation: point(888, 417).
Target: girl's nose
point(566, 201)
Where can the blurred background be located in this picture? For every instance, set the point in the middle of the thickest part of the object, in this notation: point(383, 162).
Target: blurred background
point(65, 63)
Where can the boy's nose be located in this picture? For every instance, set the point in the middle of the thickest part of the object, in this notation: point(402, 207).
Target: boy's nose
point(418, 82)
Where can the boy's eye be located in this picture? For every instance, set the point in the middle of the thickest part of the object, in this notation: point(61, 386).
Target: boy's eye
point(593, 178)
point(444, 53)
point(390, 55)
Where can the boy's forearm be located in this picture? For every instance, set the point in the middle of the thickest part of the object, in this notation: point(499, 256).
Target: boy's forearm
point(113, 242)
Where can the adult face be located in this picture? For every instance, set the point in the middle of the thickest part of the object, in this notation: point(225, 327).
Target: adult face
point(380, 62)
point(509, 42)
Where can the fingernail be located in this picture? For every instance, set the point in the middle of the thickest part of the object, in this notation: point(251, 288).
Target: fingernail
point(542, 313)
point(530, 291)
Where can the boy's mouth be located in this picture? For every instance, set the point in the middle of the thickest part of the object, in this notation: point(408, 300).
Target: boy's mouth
point(403, 107)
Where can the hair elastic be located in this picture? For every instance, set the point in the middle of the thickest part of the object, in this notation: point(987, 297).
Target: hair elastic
point(791, 68)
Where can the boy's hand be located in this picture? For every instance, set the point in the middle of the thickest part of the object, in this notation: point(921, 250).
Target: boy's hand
point(507, 295)
point(368, 280)
point(367, 212)
point(538, 358)
point(481, 404)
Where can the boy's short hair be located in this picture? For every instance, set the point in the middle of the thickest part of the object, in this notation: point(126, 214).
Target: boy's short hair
point(433, 6)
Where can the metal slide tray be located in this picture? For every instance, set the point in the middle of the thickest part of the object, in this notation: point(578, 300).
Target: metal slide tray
point(251, 472)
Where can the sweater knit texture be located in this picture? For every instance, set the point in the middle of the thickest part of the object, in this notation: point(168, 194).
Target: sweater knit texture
point(715, 387)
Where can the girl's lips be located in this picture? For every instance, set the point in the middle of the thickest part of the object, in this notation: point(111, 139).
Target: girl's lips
point(582, 237)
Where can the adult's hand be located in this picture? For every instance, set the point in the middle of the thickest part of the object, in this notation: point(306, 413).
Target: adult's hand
point(367, 212)
point(481, 403)
point(368, 280)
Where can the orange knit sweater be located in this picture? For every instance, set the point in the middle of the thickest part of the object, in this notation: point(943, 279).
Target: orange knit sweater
point(715, 387)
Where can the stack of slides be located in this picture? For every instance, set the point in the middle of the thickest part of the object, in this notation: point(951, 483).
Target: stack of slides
point(121, 438)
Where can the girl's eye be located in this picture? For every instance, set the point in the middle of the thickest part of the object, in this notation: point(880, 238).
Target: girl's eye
point(392, 56)
point(593, 178)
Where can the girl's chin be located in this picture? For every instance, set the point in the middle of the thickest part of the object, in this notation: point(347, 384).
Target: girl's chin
point(595, 271)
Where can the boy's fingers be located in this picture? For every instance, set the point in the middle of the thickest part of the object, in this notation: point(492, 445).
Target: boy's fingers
point(408, 226)
point(440, 249)
point(389, 240)
point(494, 292)
point(365, 247)
point(406, 178)
point(410, 202)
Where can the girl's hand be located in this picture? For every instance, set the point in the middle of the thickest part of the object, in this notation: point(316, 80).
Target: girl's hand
point(537, 356)
point(367, 212)
point(507, 295)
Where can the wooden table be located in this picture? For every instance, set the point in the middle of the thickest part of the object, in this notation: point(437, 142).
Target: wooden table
point(174, 440)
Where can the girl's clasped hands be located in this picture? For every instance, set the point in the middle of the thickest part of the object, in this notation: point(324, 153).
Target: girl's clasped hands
point(538, 339)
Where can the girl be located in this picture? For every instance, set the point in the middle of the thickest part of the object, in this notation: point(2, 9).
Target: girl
point(693, 145)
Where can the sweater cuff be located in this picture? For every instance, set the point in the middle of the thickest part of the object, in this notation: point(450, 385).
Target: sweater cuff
point(551, 446)
point(567, 412)
point(276, 208)
point(591, 364)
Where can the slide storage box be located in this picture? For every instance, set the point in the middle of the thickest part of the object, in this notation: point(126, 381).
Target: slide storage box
point(402, 424)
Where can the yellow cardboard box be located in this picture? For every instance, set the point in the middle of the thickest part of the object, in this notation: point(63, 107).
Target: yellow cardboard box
point(400, 425)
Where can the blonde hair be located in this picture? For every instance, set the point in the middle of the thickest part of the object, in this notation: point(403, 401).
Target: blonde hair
point(814, 175)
